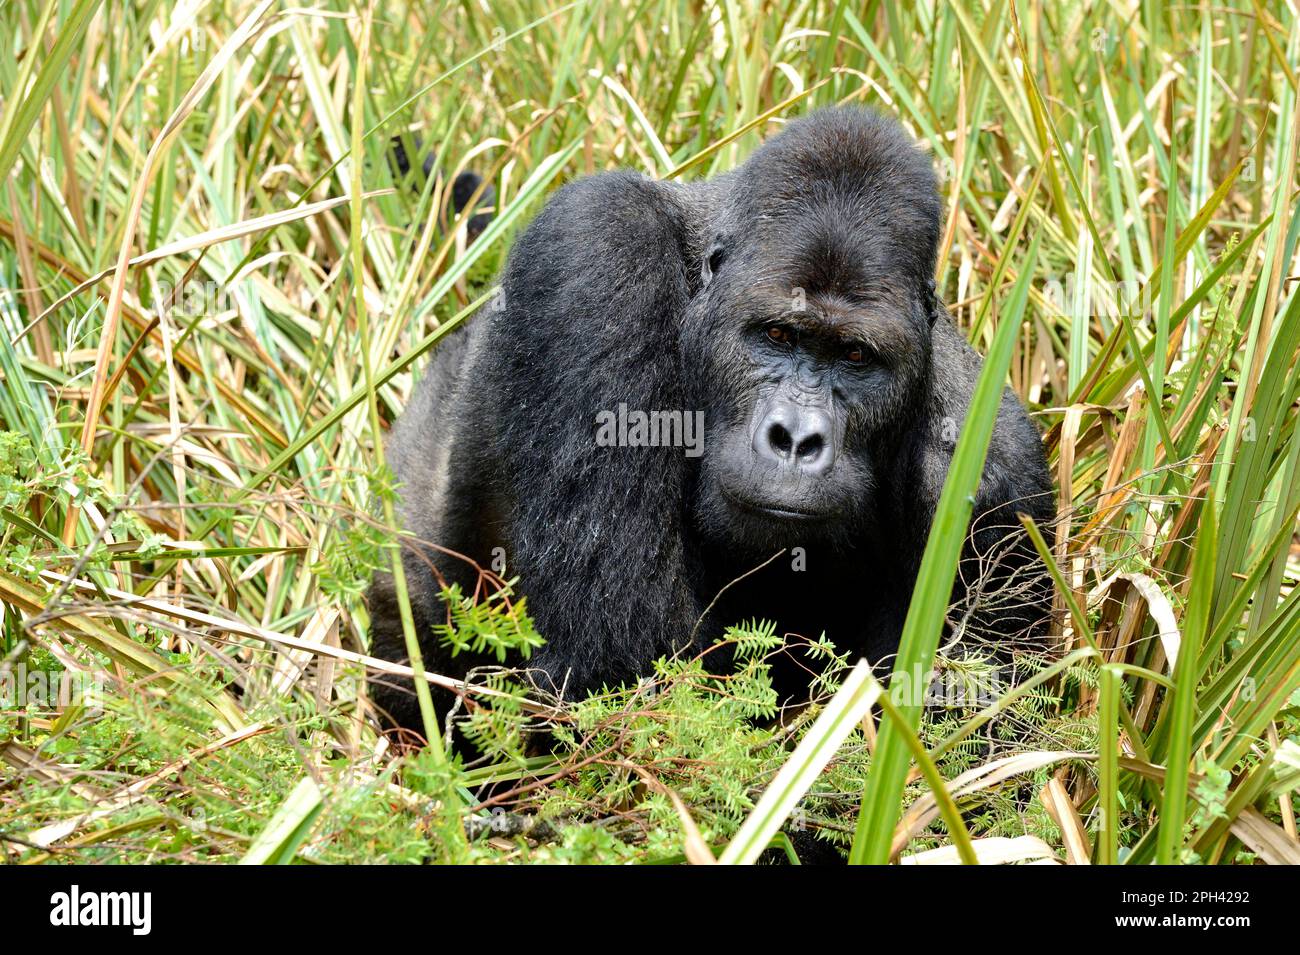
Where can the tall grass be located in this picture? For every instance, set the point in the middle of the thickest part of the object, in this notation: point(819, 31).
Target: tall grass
point(214, 295)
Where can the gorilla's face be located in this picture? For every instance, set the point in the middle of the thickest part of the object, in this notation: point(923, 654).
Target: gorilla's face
point(815, 348)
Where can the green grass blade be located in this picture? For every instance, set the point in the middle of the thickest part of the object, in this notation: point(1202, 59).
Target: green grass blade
point(1196, 622)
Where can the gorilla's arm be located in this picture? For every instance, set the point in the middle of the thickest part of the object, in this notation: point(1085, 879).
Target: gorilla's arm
point(595, 290)
point(1002, 589)
point(420, 452)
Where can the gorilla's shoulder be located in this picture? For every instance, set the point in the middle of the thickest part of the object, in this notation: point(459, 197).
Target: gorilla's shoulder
point(1015, 467)
point(610, 214)
point(604, 250)
point(595, 290)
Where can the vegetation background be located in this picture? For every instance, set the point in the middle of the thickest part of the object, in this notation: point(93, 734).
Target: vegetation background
point(214, 294)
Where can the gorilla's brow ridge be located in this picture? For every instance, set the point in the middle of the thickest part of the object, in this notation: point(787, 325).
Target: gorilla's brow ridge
point(877, 318)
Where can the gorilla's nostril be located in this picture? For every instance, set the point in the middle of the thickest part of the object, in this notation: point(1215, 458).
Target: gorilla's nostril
point(810, 448)
point(797, 436)
point(779, 438)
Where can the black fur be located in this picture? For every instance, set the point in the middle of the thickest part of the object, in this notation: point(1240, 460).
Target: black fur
point(656, 295)
point(463, 186)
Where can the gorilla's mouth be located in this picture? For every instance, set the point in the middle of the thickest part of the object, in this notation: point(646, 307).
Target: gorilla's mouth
point(778, 510)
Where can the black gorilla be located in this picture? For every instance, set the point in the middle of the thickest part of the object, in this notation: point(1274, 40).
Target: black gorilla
point(463, 186)
point(788, 306)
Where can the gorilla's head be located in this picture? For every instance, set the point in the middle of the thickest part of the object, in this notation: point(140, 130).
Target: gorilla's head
point(809, 341)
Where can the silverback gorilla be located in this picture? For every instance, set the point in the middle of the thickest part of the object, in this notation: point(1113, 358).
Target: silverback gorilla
point(789, 306)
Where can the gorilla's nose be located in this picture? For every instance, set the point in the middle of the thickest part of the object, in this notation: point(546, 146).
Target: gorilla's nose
point(796, 435)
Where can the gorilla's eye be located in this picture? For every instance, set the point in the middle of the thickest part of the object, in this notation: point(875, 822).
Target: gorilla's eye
point(856, 355)
point(780, 335)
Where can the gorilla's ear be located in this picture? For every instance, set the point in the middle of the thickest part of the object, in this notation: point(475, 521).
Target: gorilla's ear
point(713, 259)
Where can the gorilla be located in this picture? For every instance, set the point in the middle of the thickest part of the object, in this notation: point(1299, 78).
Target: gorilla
point(685, 379)
point(463, 186)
